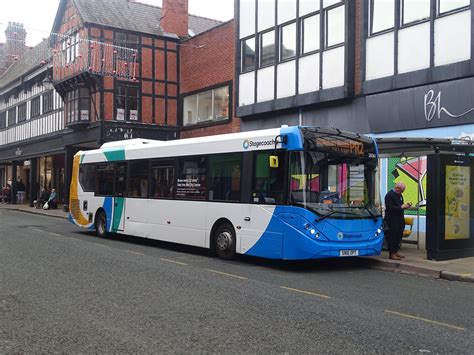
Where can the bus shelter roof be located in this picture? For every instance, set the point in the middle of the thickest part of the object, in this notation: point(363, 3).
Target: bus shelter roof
point(403, 146)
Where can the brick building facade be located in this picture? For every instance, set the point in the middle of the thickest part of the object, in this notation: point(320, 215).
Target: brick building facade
point(207, 62)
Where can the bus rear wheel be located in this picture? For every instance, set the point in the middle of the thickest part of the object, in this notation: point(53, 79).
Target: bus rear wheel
point(224, 241)
point(101, 224)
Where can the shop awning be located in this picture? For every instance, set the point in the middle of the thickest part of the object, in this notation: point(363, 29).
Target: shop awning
point(402, 146)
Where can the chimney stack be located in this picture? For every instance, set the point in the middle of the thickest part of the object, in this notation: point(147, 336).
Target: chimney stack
point(174, 18)
point(15, 45)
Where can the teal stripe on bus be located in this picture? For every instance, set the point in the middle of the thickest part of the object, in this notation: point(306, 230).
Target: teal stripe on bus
point(118, 209)
point(114, 154)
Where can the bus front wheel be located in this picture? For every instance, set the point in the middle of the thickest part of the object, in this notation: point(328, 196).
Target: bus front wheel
point(101, 224)
point(224, 241)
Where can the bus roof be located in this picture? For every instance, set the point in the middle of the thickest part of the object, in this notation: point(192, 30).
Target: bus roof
point(225, 143)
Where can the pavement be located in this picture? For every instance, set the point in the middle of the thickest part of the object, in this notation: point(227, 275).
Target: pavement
point(415, 261)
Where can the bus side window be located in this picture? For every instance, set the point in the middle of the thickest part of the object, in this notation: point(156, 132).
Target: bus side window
point(138, 181)
point(225, 177)
point(268, 183)
point(87, 177)
point(105, 180)
point(191, 178)
point(162, 179)
point(121, 179)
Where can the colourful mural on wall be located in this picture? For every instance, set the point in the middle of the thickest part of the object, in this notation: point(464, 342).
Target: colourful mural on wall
point(412, 172)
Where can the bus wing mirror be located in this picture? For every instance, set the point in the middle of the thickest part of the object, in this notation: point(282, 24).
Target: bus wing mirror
point(273, 161)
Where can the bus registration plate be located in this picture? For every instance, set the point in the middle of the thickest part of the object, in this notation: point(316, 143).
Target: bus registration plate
point(348, 253)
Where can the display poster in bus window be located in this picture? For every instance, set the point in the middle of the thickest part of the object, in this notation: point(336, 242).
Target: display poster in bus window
point(192, 182)
point(457, 210)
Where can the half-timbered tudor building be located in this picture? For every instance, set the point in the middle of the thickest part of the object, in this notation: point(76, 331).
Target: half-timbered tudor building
point(115, 65)
point(31, 114)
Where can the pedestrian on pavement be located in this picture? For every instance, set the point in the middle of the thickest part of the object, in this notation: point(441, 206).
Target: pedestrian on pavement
point(52, 200)
point(43, 199)
point(21, 192)
point(6, 194)
point(395, 220)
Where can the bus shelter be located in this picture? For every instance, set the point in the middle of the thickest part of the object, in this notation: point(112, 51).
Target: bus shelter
point(439, 174)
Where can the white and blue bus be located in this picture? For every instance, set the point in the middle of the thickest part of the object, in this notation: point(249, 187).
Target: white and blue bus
point(286, 193)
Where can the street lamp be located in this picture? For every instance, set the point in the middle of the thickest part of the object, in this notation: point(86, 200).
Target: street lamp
point(48, 83)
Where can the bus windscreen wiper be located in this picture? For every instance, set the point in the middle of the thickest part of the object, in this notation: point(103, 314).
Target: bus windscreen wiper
point(335, 211)
point(366, 207)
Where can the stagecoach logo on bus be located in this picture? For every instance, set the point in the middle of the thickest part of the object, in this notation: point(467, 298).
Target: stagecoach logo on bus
point(341, 236)
point(252, 144)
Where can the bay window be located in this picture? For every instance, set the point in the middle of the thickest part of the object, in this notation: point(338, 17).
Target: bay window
point(77, 105)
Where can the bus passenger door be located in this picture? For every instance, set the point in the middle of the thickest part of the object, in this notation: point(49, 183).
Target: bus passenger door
point(261, 233)
point(118, 223)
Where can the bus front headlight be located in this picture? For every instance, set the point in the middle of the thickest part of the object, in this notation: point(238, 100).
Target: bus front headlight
point(377, 232)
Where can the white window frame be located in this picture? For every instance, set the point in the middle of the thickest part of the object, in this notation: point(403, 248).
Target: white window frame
point(199, 120)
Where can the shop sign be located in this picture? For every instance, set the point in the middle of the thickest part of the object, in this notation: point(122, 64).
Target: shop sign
point(444, 104)
point(18, 152)
point(434, 107)
point(119, 133)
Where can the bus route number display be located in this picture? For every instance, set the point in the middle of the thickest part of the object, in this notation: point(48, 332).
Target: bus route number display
point(347, 146)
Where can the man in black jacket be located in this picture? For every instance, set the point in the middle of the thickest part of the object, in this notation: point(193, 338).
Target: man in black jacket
point(394, 207)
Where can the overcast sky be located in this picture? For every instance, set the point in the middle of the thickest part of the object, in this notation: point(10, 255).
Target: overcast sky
point(38, 15)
